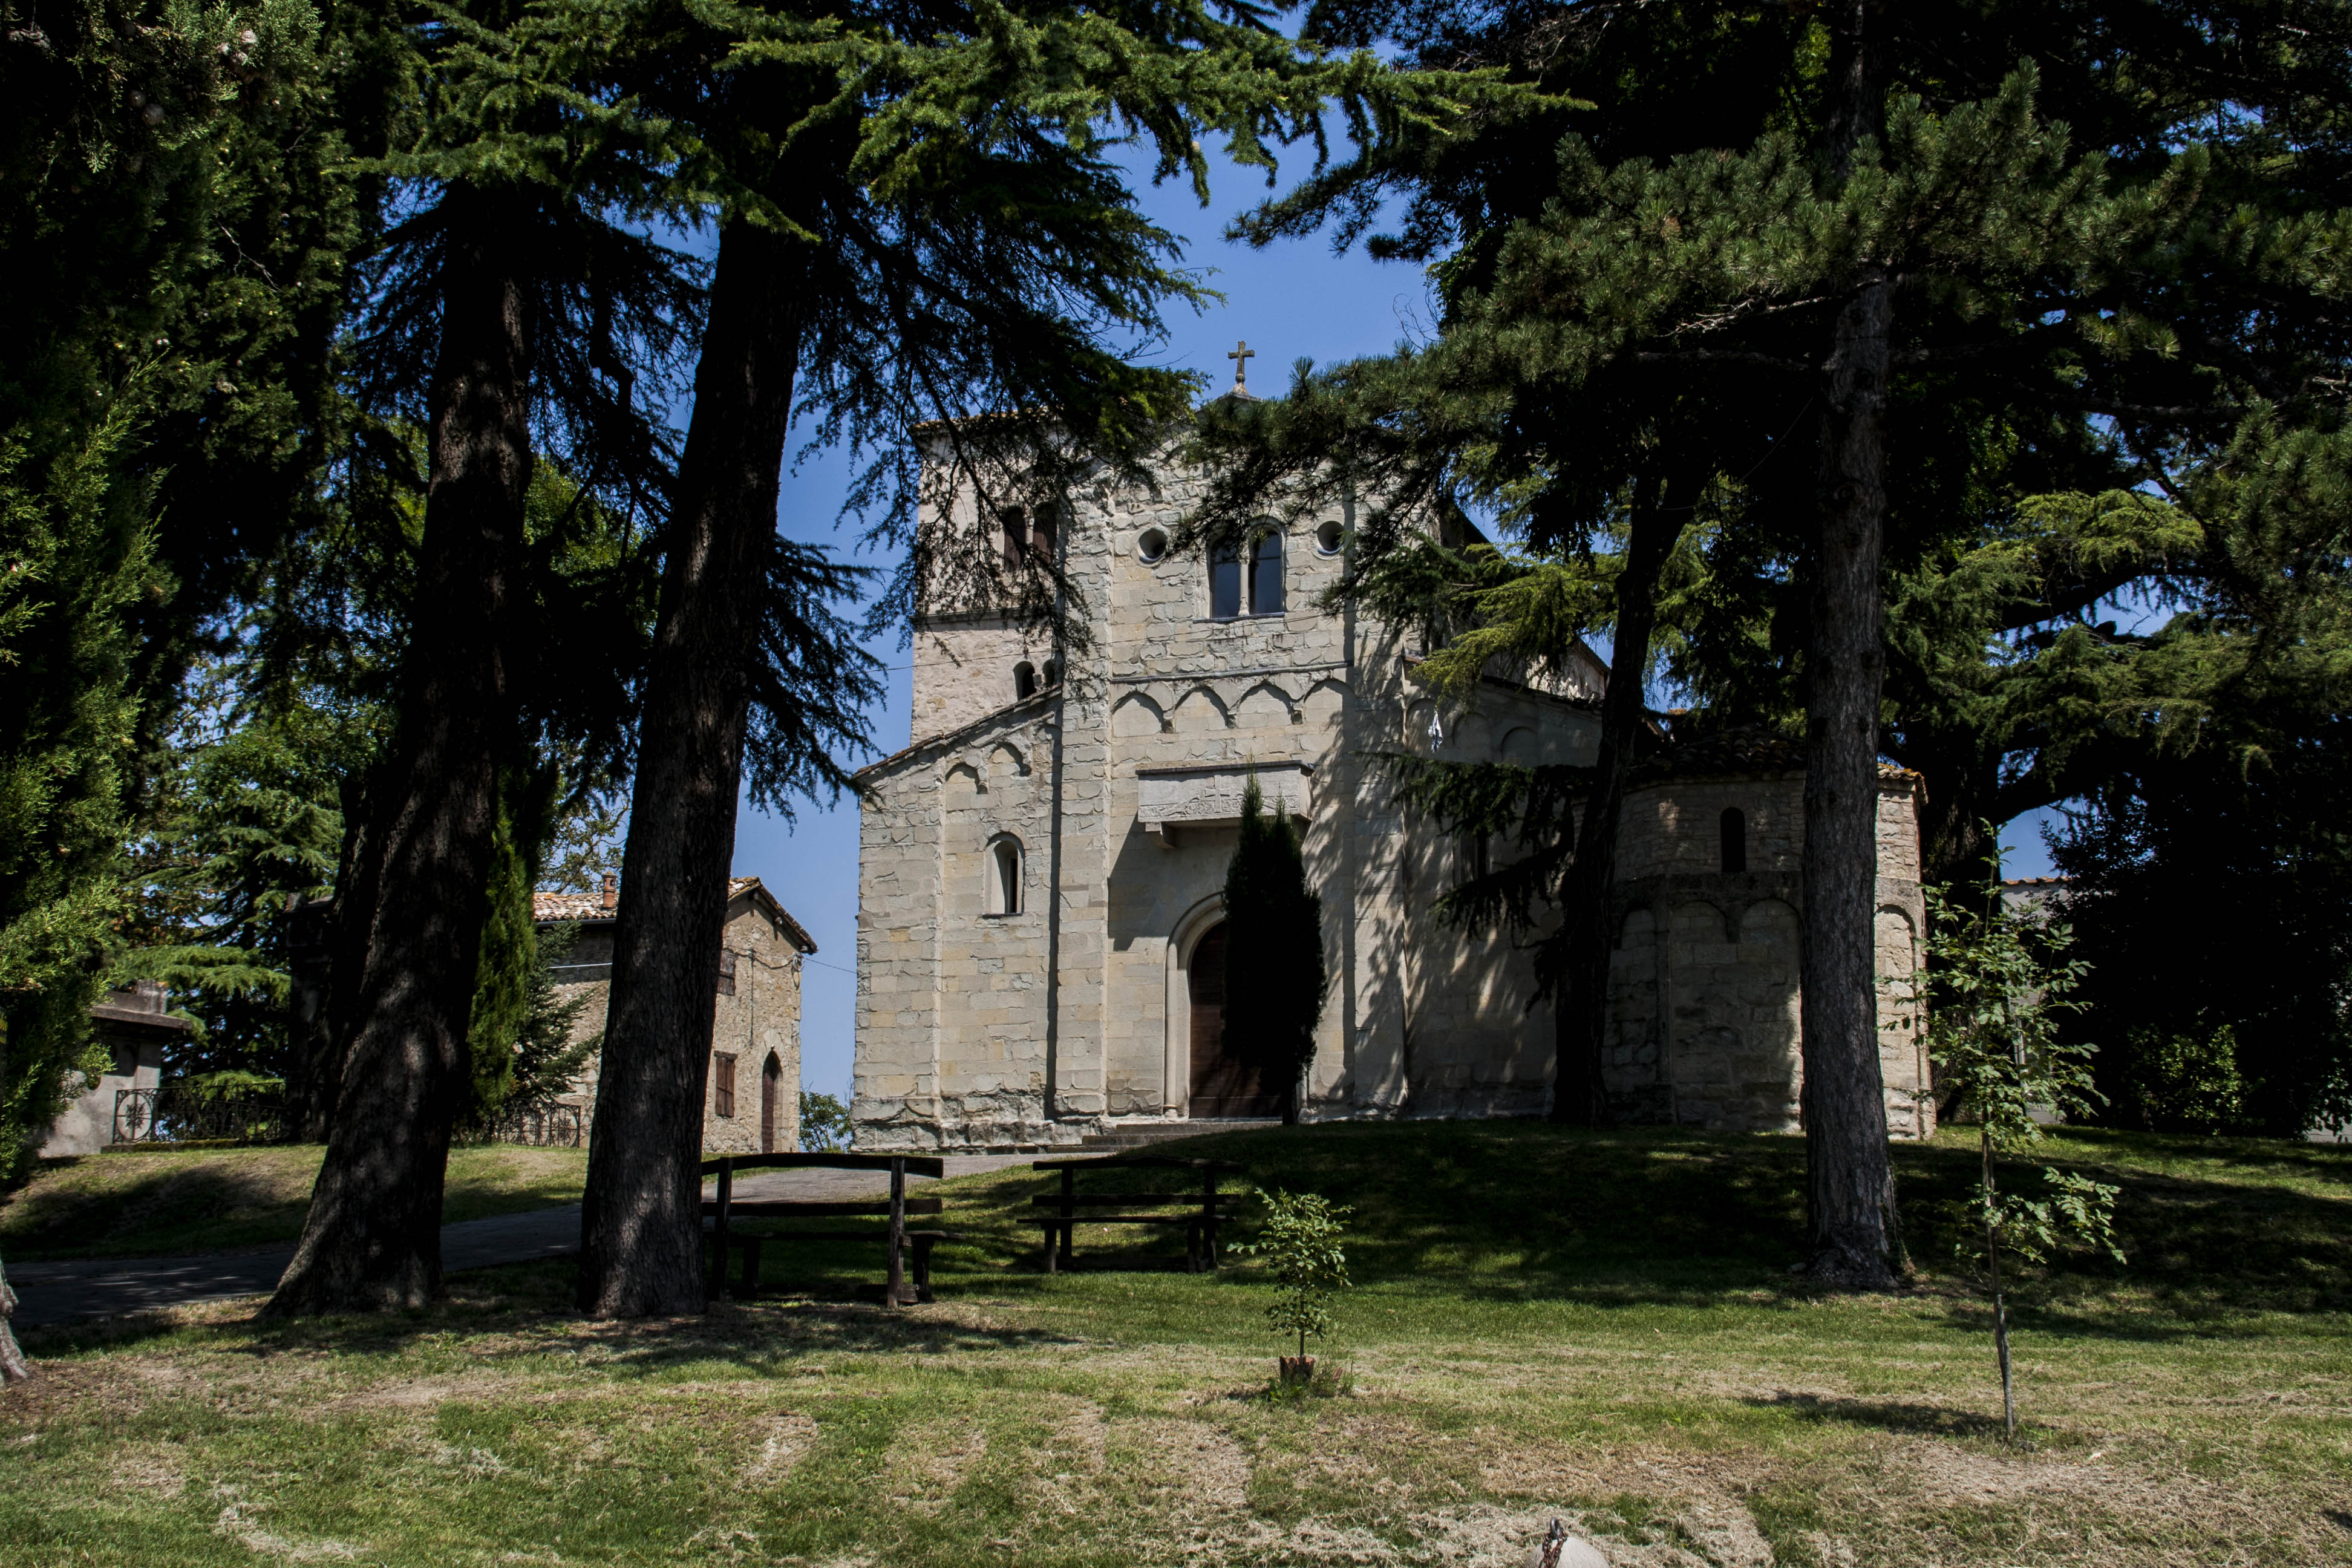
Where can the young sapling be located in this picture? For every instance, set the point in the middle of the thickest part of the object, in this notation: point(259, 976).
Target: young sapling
point(1300, 1240)
point(2002, 980)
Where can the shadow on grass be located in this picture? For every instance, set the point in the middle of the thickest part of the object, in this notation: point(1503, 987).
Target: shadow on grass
point(533, 1302)
point(153, 1204)
point(1518, 1211)
point(1880, 1416)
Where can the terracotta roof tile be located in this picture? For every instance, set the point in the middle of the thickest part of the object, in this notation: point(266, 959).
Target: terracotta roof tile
point(569, 907)
point(553, 907)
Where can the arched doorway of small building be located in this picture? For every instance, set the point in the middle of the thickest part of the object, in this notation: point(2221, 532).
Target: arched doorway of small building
point(1222, 1084)
point(771, 1089)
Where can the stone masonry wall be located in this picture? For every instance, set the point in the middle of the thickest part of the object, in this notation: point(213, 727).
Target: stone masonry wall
point(981, 1030)
point(1704, 980)
point(762, 1018)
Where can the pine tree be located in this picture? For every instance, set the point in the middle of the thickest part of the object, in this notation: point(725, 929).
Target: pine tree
point(514, 313)
point(918, 225)
point(1275, 976)
point(1899, 234)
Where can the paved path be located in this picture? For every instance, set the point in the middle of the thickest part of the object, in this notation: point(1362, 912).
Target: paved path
point(104, 1287)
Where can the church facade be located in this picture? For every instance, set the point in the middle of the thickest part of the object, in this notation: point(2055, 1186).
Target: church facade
point(1040, 930)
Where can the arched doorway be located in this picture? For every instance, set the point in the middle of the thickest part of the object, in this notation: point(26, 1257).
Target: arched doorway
point(772, 1087)
point(1222, 1084)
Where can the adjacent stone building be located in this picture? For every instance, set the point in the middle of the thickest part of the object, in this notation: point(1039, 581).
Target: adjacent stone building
point(1040, 932)
point(751, 1092)
point(133, 1025)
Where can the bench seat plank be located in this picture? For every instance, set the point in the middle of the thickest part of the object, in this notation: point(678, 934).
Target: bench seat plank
point(1132, 1162)
point(1113, 1200)
point(784, 1208)
point(1056, 1222)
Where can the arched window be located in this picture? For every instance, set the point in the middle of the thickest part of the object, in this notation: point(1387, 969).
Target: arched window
point(1004, 877)
point(1225, 582)
point(1735, 841)
point(1257, 591)
point(1265, 577)
point(1053, 673)
point(1025, 680)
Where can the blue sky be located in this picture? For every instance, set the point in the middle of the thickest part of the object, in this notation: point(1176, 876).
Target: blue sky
point(1290, 300)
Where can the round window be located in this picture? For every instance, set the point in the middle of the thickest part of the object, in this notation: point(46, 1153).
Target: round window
point(1327, 538)
point(1151, 545)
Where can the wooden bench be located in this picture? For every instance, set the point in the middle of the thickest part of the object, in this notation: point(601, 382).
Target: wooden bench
point(897, 1291)
point(1204, 1210)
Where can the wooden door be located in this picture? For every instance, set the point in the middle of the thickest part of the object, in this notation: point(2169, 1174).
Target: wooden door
point(1223, 1085)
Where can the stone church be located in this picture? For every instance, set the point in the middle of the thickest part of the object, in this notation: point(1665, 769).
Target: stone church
point(752, 1101)
point(1040, 936)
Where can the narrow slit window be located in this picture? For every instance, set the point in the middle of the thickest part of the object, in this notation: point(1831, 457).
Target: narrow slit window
point(1265, 577)
point(1735, 842)
point(1225, 582)
point(722, 1083)
point(1007, 892)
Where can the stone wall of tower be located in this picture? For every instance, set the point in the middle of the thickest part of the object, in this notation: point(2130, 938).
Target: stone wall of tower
point(1705, 1004)
point(960, 1033)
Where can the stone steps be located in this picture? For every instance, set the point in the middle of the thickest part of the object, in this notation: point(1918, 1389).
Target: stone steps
point(1144, 1134)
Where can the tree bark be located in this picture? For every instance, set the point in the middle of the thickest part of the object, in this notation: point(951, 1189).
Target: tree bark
point(320, 1046)
point(13, 1367)
point(372, 1238)
point(641, 1222)
point(1580, 1095)
point(1850, 1179)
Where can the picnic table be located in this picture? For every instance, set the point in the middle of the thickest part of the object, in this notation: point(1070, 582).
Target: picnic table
point(1201, 1213)
point(724, 1210)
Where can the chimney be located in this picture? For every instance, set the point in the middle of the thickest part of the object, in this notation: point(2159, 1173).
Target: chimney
point(612, 891)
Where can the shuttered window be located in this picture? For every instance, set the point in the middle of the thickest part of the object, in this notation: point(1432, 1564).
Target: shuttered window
point(722, 1077)
point(727, 971)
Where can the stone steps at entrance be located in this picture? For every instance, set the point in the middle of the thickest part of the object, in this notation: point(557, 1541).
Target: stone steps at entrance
point(1143, 1134)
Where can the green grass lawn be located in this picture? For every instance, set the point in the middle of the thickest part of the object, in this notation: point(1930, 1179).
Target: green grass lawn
point(1596, 1327)
point(218, 1200)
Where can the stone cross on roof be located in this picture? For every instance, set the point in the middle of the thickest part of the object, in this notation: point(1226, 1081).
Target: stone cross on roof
point(1241, 355)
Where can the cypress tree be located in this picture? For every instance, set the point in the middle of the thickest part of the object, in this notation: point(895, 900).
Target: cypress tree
point(1275, 978)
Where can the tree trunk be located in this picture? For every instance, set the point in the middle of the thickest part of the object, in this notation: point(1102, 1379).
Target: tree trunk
point(1582, 1095)
point(641, 1221)
point(372, 1238)
point(1850, 1180)
point(320, 1050)
point(1999, 1304)
point(13, 1367)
